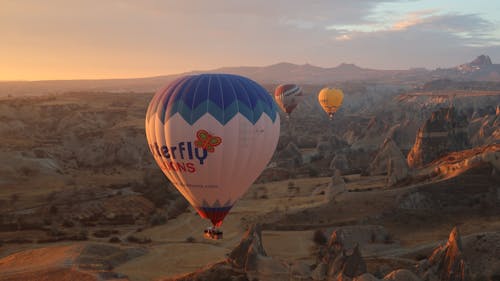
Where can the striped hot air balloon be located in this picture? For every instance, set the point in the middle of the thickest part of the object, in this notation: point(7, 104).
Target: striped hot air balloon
point(212, 135)
point(288, 96)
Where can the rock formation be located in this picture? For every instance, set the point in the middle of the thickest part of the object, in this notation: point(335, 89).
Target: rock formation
point(336, 186)
point(250, 248)
point(447, 262)
point(485, 130)
point(307, 141)
point(340, 162)
point(247, 261)
point(403, 133)
point(388, 152)
point(444, 132)
point(326, 147)
point(396, 171)
point(389, 160)
point(338, 262)
point(481, 60)
point(478, 63)
point(348, 265)
point(249, 255)
point(273, 174)
point(289, 157)
point(373, 135)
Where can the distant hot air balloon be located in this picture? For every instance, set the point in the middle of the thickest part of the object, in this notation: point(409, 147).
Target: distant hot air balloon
point(212, 135)
point(330, 100)
point(288, 97)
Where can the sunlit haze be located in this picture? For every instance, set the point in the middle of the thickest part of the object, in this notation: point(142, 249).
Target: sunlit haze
point(117, 39)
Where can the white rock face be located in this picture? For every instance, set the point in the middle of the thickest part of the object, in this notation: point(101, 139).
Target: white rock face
point(335, 187)
point(340, 162)
point(391, 161)
point(388, 151)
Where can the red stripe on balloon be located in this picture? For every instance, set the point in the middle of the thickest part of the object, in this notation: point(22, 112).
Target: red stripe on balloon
point(215, 215)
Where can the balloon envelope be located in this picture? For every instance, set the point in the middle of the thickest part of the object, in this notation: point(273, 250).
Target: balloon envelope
point(212, 135)
point(288, 96)
point(330, 100)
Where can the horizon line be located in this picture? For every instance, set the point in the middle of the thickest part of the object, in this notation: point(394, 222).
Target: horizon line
point(215, 69)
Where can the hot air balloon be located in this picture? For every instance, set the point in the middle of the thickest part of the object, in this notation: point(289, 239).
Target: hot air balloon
point(330, 100)
point(288, 97)
point(212, 135)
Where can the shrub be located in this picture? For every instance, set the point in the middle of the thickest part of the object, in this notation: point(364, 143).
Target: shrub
point(55, 231)
point(83, 234)
point(102, 233)
point(138, 240)
point(319, 237)
point(68, 223)
point(53, 210)
point(114, 239)
point(158, 219)
point(313, 172)
point(388, 239)
point(14, 198)
point(28, 171)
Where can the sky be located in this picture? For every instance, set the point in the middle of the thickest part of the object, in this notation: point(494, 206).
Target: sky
point(93, 39)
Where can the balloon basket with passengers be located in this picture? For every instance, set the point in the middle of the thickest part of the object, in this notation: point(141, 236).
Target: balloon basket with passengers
point(213, 233)
point(212, 135)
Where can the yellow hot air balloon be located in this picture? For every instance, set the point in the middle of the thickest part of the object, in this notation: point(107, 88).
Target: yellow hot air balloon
point(330, 100)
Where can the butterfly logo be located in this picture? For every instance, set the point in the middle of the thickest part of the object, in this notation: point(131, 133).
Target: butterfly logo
point(207, 141)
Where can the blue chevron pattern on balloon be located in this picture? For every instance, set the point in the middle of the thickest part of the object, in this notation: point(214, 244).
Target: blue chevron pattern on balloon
point(221, 95)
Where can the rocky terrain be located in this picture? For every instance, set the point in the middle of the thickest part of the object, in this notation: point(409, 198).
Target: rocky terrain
point(445, 131)
point(76, 262)
point(73, 163)
point(341, 259)
point(371, 195)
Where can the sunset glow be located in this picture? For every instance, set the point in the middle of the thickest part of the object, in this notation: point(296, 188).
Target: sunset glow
point(119, 39)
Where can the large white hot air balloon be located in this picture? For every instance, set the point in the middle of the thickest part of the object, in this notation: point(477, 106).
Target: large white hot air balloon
point(212, 135)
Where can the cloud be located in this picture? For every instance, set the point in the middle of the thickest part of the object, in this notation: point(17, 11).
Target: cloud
point(411, 47)
point(343, 37)
point(412, 19)
point(472, 28)
point(458, 23)
point(157, 37)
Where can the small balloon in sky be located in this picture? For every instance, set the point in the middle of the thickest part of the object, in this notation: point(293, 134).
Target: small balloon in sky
point(330, 100)
point(288, 97)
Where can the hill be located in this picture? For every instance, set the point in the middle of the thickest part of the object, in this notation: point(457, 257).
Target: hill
point(480, 69)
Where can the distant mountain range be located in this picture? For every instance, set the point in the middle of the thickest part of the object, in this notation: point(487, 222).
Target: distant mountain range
point(480, 69)
point(308, 74)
